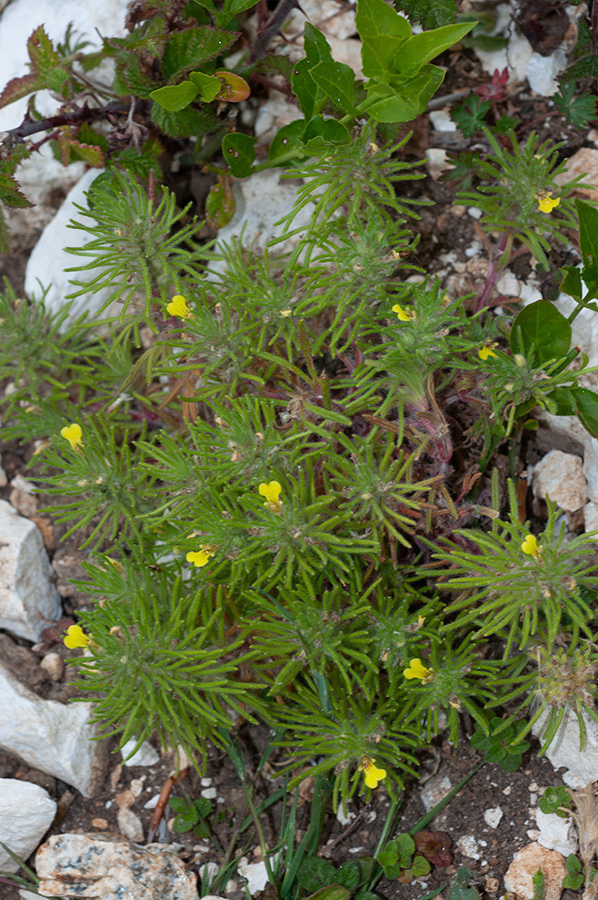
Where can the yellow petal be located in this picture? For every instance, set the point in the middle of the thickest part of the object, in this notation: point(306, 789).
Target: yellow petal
point(199, 558)
point(178, 307)
point(73, 434)
point(270, 491)
point(416, 669)
point(486, 351)
point(546, 202)
point(373, 775)
point(530, 545)
point(75, 637)
point(404, 315)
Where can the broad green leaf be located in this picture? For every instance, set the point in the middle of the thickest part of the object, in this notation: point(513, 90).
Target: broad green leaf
point(208, 86)
point(190, 49)
point(315, 45)
point(289, 138)
point(586, 404)
point(311, 98)
point(238, 151)
point(338, 81)
point(419, 866)
point(407, 97)
point(348, 875)
point(423, 48)
point(234, 88)
point(542, 327)
point(320, 133)
point(571, 283)
point(175, 97)
point(234, 7)
point(185, 820)
point(203, 806)
point(314, 873)
point(220, 205)
point(382, 32)
point(588, 239)
point(564, 401)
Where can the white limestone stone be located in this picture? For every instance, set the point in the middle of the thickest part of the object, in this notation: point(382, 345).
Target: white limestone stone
point(49, 259)
point(563, 751)
point(526, 862)
point(434, 790)
point(255, 875)
point(26, 813)
point(29, 602)
point(560, 476)
point(542, 71)
point(493, 816)
point(54, 737)
point(437, 161)
point(98, 865)
point(145, 756)
point(556, 833)
point(130, 825)
point(468, 846)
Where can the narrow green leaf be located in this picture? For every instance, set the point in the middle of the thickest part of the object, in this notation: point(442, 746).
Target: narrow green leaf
point(239, 152)
point(175, 97)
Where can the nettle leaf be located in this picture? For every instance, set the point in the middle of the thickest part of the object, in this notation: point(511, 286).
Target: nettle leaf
point(186, 122)
point(429, 15)
point(18, 88)
point(130, 79)
point(57, 78)
point(208, 86)
point(175, 97)
point(220, 205)
point(337, 80)
point(383, 32)
point(238, 151)
point(187, 50)
point(542, 327)
point(10, 192)
point(42, 54)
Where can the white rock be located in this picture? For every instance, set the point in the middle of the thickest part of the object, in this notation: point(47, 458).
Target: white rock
point(541, 71)
point(434, 790)
point(49, 259)
point(437, 161)
point(563, 751)
point(54, 737)
point(515, 57)
point(276, 112)
point(441, 120)
point(130, 825)
point(98, 865)
point(590, 466)
point(3, 478)
point(53, 665)
point(26, 813)
point(527, 861)
point(508, 284)
point(529, 293)
point(209, 793)
point(474, 212)
point(342, 818)
point(28, 601)
point(590, 517)
point(556, 833)
point(152, 802)
point(145, 756)
point(468, 846)
point(560, 475)
point(21, 17)
point(493, 816)
point(261, 201)
point(255, 874)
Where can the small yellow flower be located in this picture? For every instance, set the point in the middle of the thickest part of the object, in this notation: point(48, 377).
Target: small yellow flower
point(372, 774)
point(75, 637)
point(200, 557)
point(487, 350)
point(416, 669)
point(546, 202)
point(72, 434)
point(404, 315)
point(178, 307)
point(271, 492)
point(530, 546)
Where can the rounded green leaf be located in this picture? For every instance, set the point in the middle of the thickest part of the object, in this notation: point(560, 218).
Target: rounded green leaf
point(542, 327)
point(208, 86)
point(174, 97)
point(238, 151)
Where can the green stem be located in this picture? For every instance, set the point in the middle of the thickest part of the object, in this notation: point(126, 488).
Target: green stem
point(425, 820)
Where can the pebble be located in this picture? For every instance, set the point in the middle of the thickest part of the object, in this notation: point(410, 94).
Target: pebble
point(560, 476)
point(100, 823)
point(474, 212)
point(255, 874)
point(345, 818)
point(437, 161)
point(146, 755)
point(53, 665)
point(493, 816)
point(468, 846)
point(209, 793)
point(26, 813)
point(152, 802)
point(100, 865)
point(527, 861)
point(435, 790)
point(130, 825)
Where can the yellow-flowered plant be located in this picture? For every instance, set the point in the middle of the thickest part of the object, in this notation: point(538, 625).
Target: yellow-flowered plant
point(417, 670)
point(271, 491)
point(201, 557)
point(73, 434)
point(404, 314)
point(372, 774)
point(530, 546)
point(75, 637)
point(178, 306)
point(487, 350)
point(546, 202)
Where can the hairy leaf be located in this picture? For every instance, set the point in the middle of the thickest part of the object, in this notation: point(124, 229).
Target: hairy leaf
point(42, 54)
point(429, 13)
point(187, 50)
point(19, 87)
point(10, 192)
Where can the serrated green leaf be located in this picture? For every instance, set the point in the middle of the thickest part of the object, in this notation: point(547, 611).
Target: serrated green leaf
point(42, 54)
point(423, 48)
point(175, 97)
point(208, 86)
point(10, 192)
point(130, 79)
point(430, 15)
point(238, 151)
point(19, 87)
point(89, 153)
point(383, 32)
point(315, 873)
point(185, 123)
point(337, 80)
point(190, 49)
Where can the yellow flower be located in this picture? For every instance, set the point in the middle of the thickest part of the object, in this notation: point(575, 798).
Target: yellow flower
point(271, 492)
point(72, 434)
point(75, 637)
point(416, 669)
point(178, 307)
point(404, 315)
point(530, 546)
point(371, 772)
point(200, 557)
point(487, 350)
point(546, 202)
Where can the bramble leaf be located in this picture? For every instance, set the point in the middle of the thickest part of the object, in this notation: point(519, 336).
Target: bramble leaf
point(10, 192)
point(187, 50)
point(19, 87)
point(42, 54)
